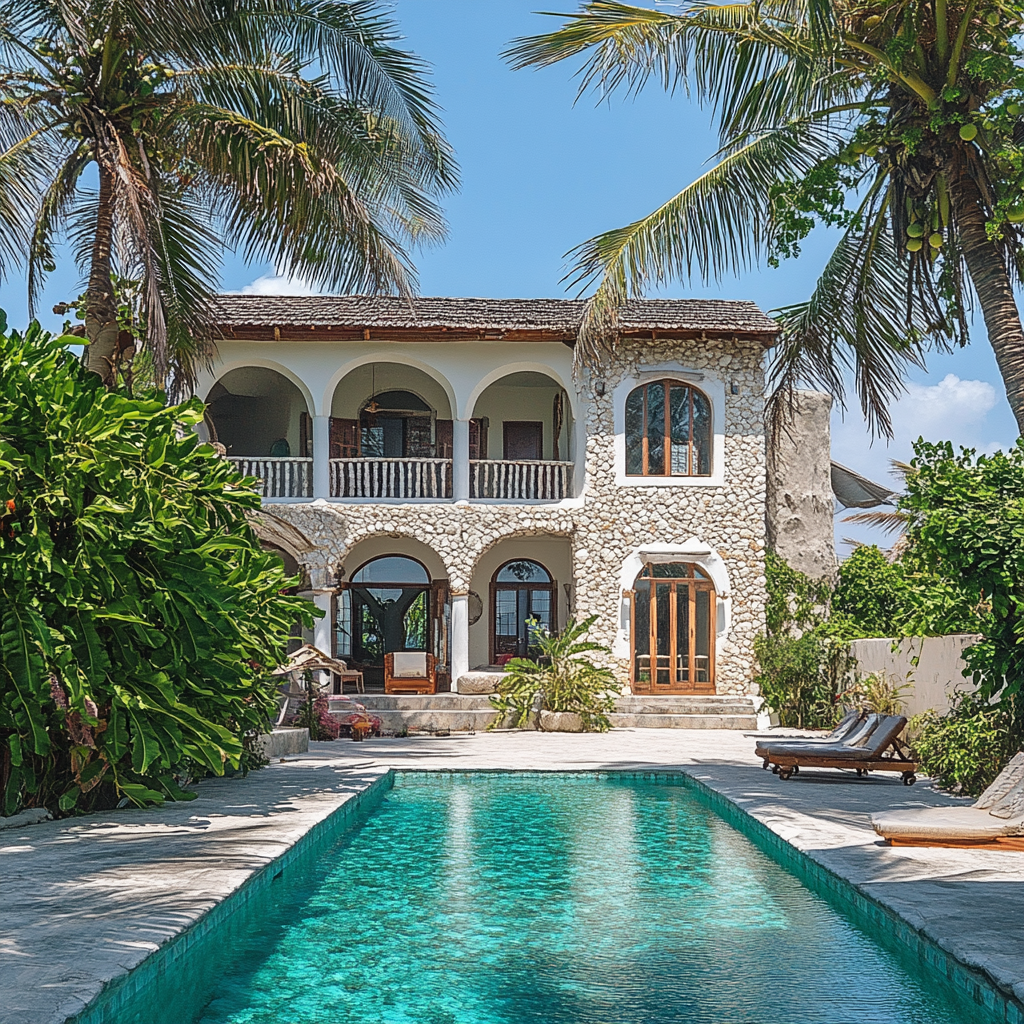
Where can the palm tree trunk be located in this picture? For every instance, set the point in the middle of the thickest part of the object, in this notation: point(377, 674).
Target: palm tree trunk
point(100, 302)
point(988, 272)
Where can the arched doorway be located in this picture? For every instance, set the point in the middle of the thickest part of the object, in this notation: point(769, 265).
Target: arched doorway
point(673, 630)
point(523, 600)
point(390, 605)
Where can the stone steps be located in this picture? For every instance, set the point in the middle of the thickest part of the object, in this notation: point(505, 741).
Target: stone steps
point(459, 712)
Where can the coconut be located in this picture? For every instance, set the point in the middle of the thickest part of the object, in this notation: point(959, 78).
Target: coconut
point(969, 132)
point(873, 21)
point(915, 230)
point(935, 239)
point(914, 245)
point(1016, 215)
point(1013, 109)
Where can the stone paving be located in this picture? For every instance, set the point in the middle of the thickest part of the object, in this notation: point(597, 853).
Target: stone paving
point(85, 900)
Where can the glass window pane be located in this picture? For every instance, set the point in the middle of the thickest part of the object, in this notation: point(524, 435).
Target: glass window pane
point(635, 433)
point(663, 611)
point(671, 570)
point(540, 607)
point(343, 625)
point(679, 427)
point(505, 613)
point(656, 429)
point(392, 569)
point(523, 571)
point(682, 633)
point(372, 442)
point(702, 642)
point(415, 623)
point(701, 435)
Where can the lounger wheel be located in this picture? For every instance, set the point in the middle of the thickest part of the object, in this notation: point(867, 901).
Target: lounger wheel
point(796, 769)
point(909, 778)
point(775, 769)
point(785, 773)
point(861, 772)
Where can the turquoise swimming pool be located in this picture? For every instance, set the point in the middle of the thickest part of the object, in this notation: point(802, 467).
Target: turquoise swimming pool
point(512, 899)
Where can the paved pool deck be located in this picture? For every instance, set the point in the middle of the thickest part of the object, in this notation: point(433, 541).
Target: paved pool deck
point(85, 900)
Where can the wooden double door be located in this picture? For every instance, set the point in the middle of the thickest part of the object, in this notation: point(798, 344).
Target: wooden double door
point(673, 630)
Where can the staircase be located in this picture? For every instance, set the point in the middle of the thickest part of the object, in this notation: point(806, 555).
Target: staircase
point(457, 712)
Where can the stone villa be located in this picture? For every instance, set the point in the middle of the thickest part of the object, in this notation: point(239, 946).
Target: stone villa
point(446, 483)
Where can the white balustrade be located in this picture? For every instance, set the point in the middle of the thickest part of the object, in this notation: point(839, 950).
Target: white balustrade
point(278, 478)
point(391, 478)
point(520, 480)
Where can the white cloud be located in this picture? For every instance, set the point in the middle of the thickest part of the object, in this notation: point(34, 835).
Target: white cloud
point(952, 409)
point(276, 284)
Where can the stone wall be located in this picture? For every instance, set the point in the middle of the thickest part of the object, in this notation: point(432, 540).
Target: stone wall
point(608, 522)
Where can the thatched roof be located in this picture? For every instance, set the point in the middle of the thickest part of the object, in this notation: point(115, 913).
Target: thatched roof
point(297, 317)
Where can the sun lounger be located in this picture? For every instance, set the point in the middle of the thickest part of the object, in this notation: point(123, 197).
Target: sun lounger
point(847, 724)
point(871, 746)
point(995, 820)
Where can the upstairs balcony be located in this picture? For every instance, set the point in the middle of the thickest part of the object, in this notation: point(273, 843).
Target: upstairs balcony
point(391, 436)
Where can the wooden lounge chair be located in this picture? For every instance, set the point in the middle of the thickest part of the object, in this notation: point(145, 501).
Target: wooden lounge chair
point(846, 725)
point(878, 751)
point(994, 821)
point(410, 672)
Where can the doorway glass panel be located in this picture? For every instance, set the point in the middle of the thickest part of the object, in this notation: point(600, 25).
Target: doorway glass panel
point(663, 620)
point(642, 633)
point(682, 663)
point(702, 659)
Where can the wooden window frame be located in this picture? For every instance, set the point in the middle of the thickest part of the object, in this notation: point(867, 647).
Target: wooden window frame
point(496, 586)
point(694, 584)
point(665, 471)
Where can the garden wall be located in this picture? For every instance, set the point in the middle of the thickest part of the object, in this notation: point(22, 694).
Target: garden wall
point(932, 665)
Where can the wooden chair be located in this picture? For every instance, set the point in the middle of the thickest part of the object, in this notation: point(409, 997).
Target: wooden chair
point(410, 672)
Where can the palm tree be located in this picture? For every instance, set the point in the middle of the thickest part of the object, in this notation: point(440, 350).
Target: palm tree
point(292, 131)
point(897, 122)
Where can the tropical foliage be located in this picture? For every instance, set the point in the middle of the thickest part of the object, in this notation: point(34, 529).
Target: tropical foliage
point(895, 122)
point(871, 593)
point(559, 680)
point(967, 748)
point(801, 663)
point(138, 613)
point(291, 131)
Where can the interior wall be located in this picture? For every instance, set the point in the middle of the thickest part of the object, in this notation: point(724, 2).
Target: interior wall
point(355, 388)
point(554, 553)
point(253, 407)
point(377, 547)
point(502, 402)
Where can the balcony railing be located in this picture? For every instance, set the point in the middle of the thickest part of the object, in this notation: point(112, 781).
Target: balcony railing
point(279, 478)
point(520, 481)
point(391, 478)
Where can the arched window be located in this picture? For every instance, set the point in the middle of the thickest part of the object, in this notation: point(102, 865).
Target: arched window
point(668, 430)
point(523, 600)
point(391, 569)
point(673, 629)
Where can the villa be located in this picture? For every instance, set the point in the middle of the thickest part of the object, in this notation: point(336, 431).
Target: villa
point(447, 483)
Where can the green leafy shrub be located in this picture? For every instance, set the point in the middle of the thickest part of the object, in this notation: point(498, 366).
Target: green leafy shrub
point(801, 664)
point(138, 614)
point(561, 680)
point(877, 692)
point(967, 748)
point(871, 594)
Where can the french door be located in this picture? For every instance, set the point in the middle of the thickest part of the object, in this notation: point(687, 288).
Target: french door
point(673, 630)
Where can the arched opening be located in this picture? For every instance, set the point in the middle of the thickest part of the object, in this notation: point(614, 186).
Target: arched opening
point(668, 430)
point(391, 434)
point(523, 601)
point(673, 630)
point(521, 440)
point(263, 422)
point(392, 603)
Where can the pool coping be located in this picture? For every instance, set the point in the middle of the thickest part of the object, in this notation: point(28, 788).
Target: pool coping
point(822, 836)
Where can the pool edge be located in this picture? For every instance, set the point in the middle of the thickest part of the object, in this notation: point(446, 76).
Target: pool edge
point(118, 993)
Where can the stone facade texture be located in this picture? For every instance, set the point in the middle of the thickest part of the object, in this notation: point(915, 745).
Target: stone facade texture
point(609, 521)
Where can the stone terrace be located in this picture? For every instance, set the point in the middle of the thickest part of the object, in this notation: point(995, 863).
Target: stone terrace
point(85, 900)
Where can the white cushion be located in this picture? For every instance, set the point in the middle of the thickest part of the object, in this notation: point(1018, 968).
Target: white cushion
point(1004, 782)
point(410, 665)
point(943, 823)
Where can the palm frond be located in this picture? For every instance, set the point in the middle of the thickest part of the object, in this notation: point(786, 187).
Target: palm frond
point(721, 223)
point(889, 522)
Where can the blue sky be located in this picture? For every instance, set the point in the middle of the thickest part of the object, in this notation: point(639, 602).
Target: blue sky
point(541, 174)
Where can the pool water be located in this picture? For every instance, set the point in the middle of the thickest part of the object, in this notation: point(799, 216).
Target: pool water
point(486, 899)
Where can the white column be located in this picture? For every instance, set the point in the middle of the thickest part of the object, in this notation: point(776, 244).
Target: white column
point(460, 460)
point(460, 638)
point(321, 457)
point(322, 626)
